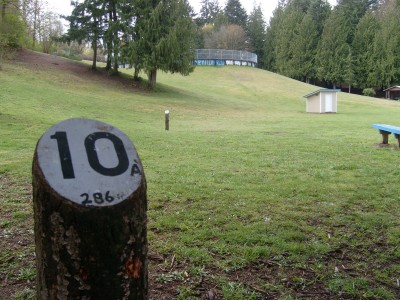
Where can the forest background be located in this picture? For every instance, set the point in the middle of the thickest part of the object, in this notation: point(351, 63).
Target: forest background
point(354, 45)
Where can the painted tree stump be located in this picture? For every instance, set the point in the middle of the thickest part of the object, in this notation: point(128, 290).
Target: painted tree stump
point(90, 205)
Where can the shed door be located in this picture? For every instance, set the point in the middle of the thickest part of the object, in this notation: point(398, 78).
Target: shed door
point(328, 102)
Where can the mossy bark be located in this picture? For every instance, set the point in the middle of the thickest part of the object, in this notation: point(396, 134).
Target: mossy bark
point(89, 252)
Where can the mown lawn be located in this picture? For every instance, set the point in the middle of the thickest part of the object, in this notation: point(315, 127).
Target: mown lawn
point(249, 196)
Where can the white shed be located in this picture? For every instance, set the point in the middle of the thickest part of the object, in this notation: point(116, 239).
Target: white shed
point(322, 101)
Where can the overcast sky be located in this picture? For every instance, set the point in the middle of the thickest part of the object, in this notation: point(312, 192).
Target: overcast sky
point(267, 6)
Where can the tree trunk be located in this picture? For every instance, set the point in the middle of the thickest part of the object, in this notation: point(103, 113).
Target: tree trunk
point(115, 37)
point(35, 21)
point(136, 74)
point(25, 12)
point(153, 78)
point(3, 11)
point(109, 57)
point(109, 44)
point(88, 252)
point(94, 46)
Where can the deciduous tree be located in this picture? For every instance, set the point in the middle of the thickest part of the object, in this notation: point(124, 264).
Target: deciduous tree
point(230, 37)
point(49, 29)
point(12, 29)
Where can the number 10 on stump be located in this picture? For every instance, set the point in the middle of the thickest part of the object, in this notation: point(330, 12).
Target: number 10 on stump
point(89, 195)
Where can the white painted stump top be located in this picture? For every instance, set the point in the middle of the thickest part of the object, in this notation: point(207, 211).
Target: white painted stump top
point(89, 162)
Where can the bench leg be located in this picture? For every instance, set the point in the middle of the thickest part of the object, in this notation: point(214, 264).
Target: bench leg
point(385, 137)
point(397, 136)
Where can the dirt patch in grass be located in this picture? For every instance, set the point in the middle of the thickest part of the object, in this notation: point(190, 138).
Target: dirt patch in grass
point(336, 275)
point(170, 279)
point(273, 280)
point(38, 62)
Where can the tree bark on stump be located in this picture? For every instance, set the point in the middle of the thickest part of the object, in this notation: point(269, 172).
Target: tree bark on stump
point(89, 252)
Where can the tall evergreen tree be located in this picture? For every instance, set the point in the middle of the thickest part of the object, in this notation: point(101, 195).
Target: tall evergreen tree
point(101, 22)
point(291, 38)
point(386, 54)
point(334, 50)
point(165, 39)
point(235, 13)
point(305, 49)
point(352, 11)
point(209, 11)
point(86, 24)
point(256, 31)
point(363, 47)
point(286, 36)
point(271, 39)
point(348, 68)
point(319, 11)
point(299, 5)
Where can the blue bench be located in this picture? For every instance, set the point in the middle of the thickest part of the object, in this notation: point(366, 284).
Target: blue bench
point(385, 130)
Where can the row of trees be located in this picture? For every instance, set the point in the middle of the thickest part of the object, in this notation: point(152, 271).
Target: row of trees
point(357, 43)
point(153, 35)
point(149, 35)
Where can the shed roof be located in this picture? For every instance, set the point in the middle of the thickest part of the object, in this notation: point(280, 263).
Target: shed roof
point(321, 91)
point(395, 88)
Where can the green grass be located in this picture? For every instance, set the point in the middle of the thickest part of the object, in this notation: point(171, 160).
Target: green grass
point(244, 180)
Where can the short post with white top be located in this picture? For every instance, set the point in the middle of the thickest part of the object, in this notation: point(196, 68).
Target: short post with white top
point(167, 120)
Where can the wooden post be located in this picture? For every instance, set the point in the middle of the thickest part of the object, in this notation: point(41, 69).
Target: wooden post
point(90, 205)
point(167, 120)
point(385, 136)
point(397, 136)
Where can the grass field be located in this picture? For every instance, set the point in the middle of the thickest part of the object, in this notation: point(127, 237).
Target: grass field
point(249, 196)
